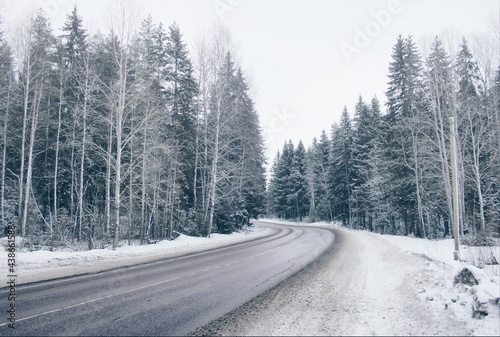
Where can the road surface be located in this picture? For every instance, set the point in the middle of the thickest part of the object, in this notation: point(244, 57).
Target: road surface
point(168, 297)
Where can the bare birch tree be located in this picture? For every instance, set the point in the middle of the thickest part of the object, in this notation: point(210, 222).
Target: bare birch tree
point(122, 21)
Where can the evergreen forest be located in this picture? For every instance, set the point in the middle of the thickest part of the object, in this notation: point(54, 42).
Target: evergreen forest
point(122, 136)
point(388, 169)
point(125, 136)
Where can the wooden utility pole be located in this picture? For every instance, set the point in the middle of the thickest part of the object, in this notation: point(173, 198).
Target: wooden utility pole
point(454, 178)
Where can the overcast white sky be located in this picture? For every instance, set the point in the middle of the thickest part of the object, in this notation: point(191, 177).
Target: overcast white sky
point(305, 59)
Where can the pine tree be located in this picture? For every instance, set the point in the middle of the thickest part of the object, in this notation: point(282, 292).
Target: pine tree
point(272, 205)
point(341, 169)
point(399, 141)
point(181, 93)
point(297, 199)
point(75, 38)
point(376, 205)
point(362, 147)
point(318, 167)
point(252, 174)
point(281, 186)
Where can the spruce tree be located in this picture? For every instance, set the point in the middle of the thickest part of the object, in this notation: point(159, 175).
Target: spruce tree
point(362, 147)
point(297, 199)
point(318, 166)
point(251, 144)
point(341, 169)
point(402, 102)
point(180, 94)
point(281, 185)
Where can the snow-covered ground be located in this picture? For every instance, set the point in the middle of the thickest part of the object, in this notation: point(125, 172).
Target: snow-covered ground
point(375, 284)
point(44, 265)
point(405, 286)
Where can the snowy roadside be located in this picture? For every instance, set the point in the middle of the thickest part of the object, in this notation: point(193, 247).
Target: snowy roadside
point(371, 284)
point(44, 265)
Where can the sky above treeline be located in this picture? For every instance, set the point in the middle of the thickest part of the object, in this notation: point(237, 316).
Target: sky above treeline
point(304, 59)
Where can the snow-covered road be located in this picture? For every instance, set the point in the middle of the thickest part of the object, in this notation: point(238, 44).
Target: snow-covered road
point(370, 284)
point(171, 296)
point(45, 265)
point(366, 284)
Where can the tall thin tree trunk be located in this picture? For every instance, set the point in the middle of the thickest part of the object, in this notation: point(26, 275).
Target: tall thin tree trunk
point(23, 139)
point(196, 155)
point(72, 189)
point(439, 129)
point(109, 157)
point(154, 210)
point(56, 160)
point(477, 172)
point(116, 225)
point(125, 18)
point(417, 181)
point(205, 177)
point(213, 173)
point(118, 127)
point(130, 196)
point(117, 201)
point(171, 203)
point(4, 152)
point(82, 160)
point(29, 173)
point(143, 179)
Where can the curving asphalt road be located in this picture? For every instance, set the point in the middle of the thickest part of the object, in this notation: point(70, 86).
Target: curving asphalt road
point(168, 297)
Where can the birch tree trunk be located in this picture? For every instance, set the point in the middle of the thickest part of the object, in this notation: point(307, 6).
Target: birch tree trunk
point(441, 142)
point(118, 132)
point(202, 166)
point(86, 94)
point(213, 171)
point(27, 79)
point(29, 173)
point(143, 180)
point(416, 170)
point(76, 232)
point(107, 225)
point(122, 19)
point(4, 151)
point(475, 139)
point(130, 194)
point(58, 135)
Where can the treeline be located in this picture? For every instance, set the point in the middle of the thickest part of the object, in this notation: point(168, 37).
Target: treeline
point(122, 136)
point(390, 172)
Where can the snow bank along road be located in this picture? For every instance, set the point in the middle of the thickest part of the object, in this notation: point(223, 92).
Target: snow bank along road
point(168, 297)
point(364, 284)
